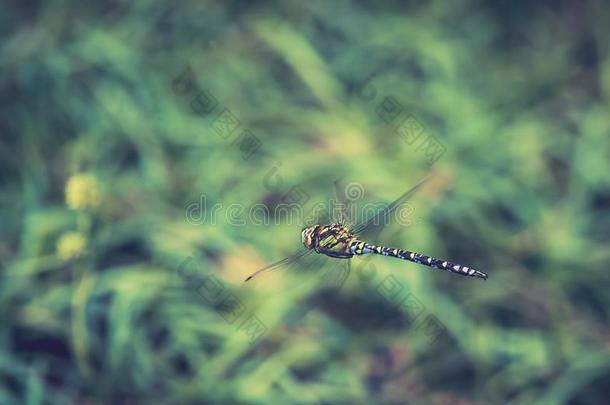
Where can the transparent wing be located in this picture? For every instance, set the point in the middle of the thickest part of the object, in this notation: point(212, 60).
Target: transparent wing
point(297, 259)
point(373, 226)
point(310, 267)
point(333, 275)
point(304, 259)
point(287, 261)
point(311, 264)
point(341, 204)
point(336, 275)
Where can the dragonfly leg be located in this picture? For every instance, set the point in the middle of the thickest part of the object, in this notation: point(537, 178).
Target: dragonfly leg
point(334, 253)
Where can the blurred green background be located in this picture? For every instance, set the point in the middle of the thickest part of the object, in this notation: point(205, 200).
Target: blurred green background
point(118, 117)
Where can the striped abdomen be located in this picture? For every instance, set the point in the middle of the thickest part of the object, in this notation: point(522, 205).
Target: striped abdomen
point(360, 248)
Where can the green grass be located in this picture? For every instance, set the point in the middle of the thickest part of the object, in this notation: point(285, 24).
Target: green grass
point(99, 293)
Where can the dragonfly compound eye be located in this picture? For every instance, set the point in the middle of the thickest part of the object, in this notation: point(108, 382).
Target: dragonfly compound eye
point(307, 236)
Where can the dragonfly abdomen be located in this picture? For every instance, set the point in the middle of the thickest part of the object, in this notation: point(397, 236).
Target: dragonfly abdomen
point(361, 248)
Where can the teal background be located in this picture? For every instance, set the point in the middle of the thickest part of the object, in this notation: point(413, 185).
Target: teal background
point(123, 298)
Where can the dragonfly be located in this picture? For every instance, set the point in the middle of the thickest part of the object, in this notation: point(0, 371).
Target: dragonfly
point(339, 240)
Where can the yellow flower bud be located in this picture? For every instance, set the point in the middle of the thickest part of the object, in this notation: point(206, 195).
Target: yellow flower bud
point(71, 245)
point(82, 192)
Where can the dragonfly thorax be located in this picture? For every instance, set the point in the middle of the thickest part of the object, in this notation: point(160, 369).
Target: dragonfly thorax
point(333, 239)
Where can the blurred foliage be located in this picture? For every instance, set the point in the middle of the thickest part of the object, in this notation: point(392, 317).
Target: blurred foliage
point(104, 146)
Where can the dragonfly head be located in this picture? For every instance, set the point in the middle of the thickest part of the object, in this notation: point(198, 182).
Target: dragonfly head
point(307, 236)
